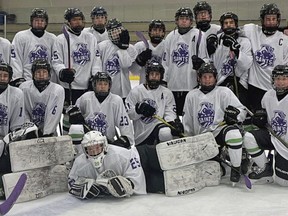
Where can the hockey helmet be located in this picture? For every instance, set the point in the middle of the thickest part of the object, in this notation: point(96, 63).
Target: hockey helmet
point(153, 65)
point(41, 64)
point(9, 70)
point(229, 15)
point(38, 13)
point(73, 12)
point(207, 68)
point(98, 11)
point(95, 147)
point(160, 25)
point(280, 70)
point(269, 9)
point(101, 76)
point(183, 11)
point(114, 28)
point(203, 24)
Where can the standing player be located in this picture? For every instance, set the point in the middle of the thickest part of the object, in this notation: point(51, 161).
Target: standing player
point(180, 45)
point(275, 116)
point(209, 105)
point(5, 50)
point(154, 51)
point(32, 44)
point(105, 169)
point(99, 20)
point(43, 99)
point(268, 48)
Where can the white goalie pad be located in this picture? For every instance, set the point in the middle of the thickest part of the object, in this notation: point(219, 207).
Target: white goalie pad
point(185, 151)
point(189, 179)
point(40, 152)
point(40, 182)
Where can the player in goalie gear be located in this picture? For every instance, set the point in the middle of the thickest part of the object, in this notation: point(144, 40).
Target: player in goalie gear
point(104, 170)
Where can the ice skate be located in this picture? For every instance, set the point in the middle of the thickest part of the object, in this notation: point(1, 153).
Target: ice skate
point(262, 175)
point(235, 175)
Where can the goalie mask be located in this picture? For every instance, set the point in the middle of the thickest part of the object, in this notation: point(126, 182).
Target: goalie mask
point(156, 31)
point(230, 30)
point(151, 79)
point(95, 147)
point(202, 21)
point(180, 13)
point(100, 89)
point(41, 73)
point(269, 27)
point(38, 13)
point(6, 74)
point(280, 79)
point(114, 28)
point(99, 25)
point(207, 83)
point(76, 27)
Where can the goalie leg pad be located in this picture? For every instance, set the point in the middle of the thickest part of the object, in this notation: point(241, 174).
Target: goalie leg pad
point(185, 151)
point(189, 179)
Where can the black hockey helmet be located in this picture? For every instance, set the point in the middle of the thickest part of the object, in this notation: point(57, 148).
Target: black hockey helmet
point(98, 11)
point(38, 13)
point(270, 9)
point(153, 65)
point(207, 68)
point(7, 68)
point(279, 70)
point(41, 64)
point(200, 6)
point(229, 15)
point(73, 12)
point(101, 76)
point(156, 24)
point(113, 23)
point(114, 28)
point(183, 11)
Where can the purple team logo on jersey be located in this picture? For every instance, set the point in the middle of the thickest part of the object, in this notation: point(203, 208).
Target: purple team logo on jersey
point(3, 115)
point(98, 122)
point(279, 123)
point(38, 113)
point(40, 52)
point(112, 65)
point(180, 56)
point(265, 57)
point(152, 103)
point(81, 55)
point(227, 66)
point(206, 114)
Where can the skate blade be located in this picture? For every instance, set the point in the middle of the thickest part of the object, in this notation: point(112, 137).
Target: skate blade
point(264, 180)
point(234, 184)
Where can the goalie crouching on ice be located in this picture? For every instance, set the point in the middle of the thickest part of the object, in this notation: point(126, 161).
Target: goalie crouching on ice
point(105, 170)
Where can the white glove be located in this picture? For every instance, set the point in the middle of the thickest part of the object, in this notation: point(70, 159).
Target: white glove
point(120, 186)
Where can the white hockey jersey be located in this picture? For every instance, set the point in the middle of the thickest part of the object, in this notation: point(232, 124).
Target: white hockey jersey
point(268, 52)
point(277, 113)
point(157, 54)
point(26, 48)
point(226, 63)
point(84, 58)
point(5, 50)
point(161, 99)
point(177, 58)
point(44, 108)
point(214, 29)
point(11, 110)
point(204, 112)
point(97, 35)
point(122, 161)
point(116, 63)
point(105, 116)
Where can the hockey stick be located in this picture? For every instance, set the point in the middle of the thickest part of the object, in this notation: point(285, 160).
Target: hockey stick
point(232, 56)
point(166, 123)
point(9, 202)
point(142, 38)
point(198, 42)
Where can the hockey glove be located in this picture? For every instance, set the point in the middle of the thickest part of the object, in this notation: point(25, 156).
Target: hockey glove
point(231, 42)
point(212, 43)
point(85, 188)
point(122, 141)
point(124, 40)
point(120, 186)
point(197, 62)
point(145, 109)
point(17, 82)
point(75, 116)
point(260, 118)
point(67, 75)
point(143, 57)
point(230, 116)
point(178, 129)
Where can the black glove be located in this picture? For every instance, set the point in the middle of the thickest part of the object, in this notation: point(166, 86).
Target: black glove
point(230, 116)
point(122, 141)
point(212, 43)
point(178, 128)
point(145, 109)
point(260, 118)
point(231, 42)
point(17, 82)
point(75, 116)
point(124, 40)
point(143, 57)
point(197, 62)
point(67, 75)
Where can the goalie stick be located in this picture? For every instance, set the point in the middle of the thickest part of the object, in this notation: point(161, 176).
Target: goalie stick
point(9, 202)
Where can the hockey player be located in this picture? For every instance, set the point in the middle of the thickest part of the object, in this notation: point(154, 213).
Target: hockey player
point(102, 111)
point(30, 45)
point(43, 99)
point(268, 48)
point(99, 21)
point(207, 107)
point(5, 50)
point(273, 116)
point(180, 46)
point(105, 169)
point(117, 56)
point(233, 57)
point(155, 50)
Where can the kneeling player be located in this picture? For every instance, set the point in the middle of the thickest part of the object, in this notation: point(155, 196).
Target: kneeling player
point(105, 170)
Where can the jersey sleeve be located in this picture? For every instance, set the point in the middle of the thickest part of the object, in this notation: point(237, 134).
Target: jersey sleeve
point(16, 57)
point(17, 110)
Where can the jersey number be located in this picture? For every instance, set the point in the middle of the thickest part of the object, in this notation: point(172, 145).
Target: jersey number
point(124, 121)
point(135, 163)
point(54, 110)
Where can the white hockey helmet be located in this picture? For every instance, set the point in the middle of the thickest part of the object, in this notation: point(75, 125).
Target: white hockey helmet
point(95, 147)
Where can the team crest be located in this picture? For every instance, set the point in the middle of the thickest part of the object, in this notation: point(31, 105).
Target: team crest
point(206, 114)
point(98, 122)
point(38, 113)
point(227, 66)
point(265, 57)
point(81, 55)
point(40, 52)
point(152, 103)
point(112, 66)
point(3, 114)
point(279, 123)
point(180, 56)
